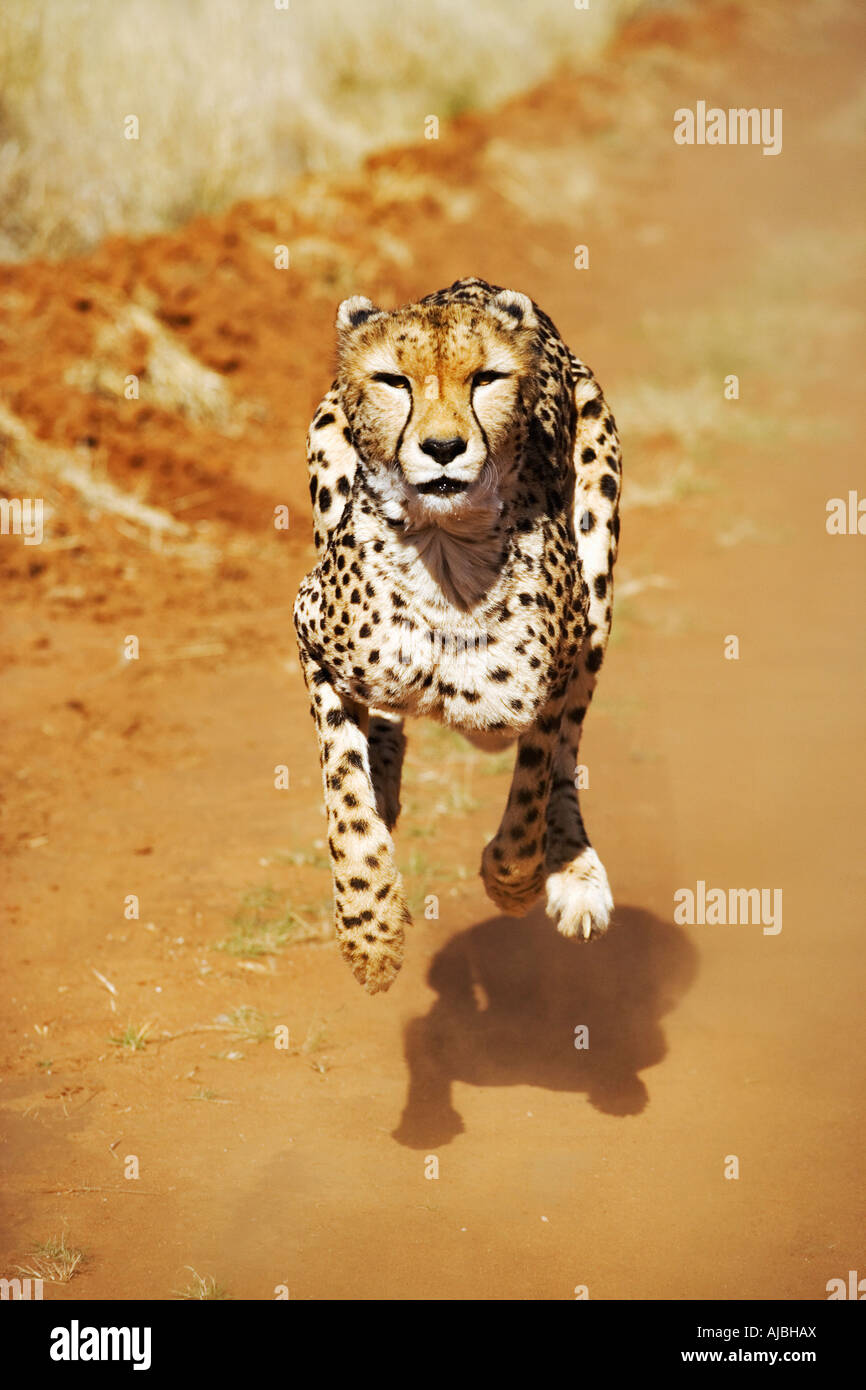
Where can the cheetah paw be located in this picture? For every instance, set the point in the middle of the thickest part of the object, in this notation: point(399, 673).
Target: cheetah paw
point(374, 951)
point(512, 887)
point(579, 899)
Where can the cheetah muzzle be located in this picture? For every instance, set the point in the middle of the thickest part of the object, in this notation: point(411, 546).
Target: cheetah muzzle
point(465, 479)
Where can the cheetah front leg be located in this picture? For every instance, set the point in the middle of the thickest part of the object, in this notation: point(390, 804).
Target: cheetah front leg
point(370, 909)
point(579, 899)
point(513, 864)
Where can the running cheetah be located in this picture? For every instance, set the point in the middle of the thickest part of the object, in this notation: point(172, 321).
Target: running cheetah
point(465, 479)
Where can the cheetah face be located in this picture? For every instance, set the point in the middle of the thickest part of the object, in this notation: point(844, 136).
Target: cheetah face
point(434, 395)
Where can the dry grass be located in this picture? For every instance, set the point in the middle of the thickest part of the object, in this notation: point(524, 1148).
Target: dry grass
point(203, 1287)
point(173, 380)
point(235, 97)
point(54, 1261)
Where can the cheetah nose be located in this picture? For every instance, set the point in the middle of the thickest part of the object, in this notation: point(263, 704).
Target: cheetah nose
point(443, 450)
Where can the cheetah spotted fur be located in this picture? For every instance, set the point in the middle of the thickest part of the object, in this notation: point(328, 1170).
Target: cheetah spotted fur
point(465, 479)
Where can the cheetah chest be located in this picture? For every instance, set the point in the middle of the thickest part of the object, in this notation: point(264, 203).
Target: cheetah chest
point(492, 668)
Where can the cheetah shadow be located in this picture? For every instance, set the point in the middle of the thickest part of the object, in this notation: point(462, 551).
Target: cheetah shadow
point(511, 995)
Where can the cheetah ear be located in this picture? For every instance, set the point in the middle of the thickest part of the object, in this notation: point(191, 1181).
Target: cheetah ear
point(512, 310)
point(355, 311)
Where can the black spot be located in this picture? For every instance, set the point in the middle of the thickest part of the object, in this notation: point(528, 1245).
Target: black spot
point(335, 717)
point(588, 455)
point(600, 585)
point(324, 499)
point(530, 757)
point(594, 658)
point(322, 421)
point(500, 674)
point(608, 486)
point(591, 410)
point(359, 884)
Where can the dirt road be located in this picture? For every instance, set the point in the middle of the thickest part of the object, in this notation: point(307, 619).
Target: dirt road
point(208, 1147)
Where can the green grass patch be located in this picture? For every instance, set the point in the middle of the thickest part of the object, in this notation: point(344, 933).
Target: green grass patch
point(262, 926)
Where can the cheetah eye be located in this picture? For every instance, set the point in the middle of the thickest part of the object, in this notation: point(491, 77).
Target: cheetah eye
point(487, 378)
point(397, 383)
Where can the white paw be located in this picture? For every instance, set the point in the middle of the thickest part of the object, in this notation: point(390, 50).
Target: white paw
point(579, 898)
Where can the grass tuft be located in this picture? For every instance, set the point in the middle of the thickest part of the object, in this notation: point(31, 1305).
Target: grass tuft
point(54, 1261)
point(201, 1287)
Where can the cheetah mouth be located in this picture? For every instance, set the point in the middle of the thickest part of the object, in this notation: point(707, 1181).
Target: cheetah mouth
point(442, 486)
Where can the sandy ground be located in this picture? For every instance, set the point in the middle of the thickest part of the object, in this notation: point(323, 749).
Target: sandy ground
point(307, 1166)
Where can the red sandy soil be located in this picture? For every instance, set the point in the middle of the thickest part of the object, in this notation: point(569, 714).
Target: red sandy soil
point(558, 1167)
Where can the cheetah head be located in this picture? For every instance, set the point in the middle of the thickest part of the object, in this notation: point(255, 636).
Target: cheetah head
point(436, 396)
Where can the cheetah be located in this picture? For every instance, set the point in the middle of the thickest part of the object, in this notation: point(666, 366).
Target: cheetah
point(465, 479)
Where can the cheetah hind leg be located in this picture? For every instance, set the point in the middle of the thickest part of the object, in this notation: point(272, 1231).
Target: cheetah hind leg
point(387, 745)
